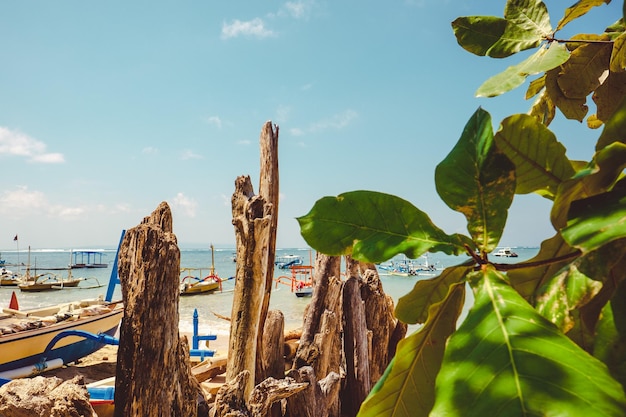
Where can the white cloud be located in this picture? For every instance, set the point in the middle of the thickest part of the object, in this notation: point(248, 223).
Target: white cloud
point(186, 205)
point(336, 122)
point(19, 144)
point(299, 9)
point(282, 113)
point(149, 150)
point(296, 131)
point(189, 154)
point(254, 28)
point(215, 121)
point(21, 203)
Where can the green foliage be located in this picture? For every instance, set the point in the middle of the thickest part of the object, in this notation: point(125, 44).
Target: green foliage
point(546, 336)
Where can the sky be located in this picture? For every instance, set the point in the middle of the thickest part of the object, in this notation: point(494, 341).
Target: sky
point(109, 108)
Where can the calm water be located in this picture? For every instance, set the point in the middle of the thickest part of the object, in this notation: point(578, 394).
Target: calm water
point(282, 298)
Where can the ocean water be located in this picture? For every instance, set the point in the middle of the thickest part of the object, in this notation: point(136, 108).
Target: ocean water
point(220, 303)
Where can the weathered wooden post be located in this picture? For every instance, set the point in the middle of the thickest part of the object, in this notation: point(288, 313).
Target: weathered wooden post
point(153, 376)
point(255, 222)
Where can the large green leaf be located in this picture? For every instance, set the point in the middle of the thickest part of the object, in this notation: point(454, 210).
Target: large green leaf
point(553, 255)
point(508, 360)
point(374, 227)
point(526, 23)
point(408, 385)
point(413, 307)
point(598, 176)
point(478, 34)
point(478, 180)
point(543, 60)
point(566, 292)
point(596, 221)
point(579, 9)
point(540, 161)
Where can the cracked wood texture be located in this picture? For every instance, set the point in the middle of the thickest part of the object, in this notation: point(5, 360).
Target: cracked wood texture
point(153, 375)
point(255, 221)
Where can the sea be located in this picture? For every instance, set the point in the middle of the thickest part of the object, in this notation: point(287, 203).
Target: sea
point(212, 307)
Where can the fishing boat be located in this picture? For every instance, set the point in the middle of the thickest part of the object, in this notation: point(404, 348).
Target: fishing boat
point(300, 280)
point(196, 284)
point(35, 340)
point(9, 278)
point(49, 282)
point(88, 259)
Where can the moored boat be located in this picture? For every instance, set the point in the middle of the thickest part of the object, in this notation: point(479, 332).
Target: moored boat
point(88, 259)
point(34, 340)
point(505, 252)
point(49, 282)
point(192, 284)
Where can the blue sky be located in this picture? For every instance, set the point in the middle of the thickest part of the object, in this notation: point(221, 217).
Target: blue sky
point(109, 108)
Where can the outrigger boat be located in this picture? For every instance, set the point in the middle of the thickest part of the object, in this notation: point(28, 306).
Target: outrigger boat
point(32, 341)
point(191, 284)
point(49, 282)
point(300, 281)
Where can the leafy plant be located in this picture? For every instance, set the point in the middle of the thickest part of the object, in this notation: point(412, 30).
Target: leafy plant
point(546, 336)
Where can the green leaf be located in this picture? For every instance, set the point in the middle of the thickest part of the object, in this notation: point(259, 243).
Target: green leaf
point(540, 161)
point(535, 87)
point(477, 34)
point(478, 180)
point(543, 109)
point(543, 60)
point(618, 55)
point(579, 9)
point(615, 128)
point(413, 307)
point(407, 387)
point(374, 227)
point(566, 292)
point(528, 281)
point(508, 360)
point(600, 175)
point(597, 220)
point(526, 23)
point(610, 343)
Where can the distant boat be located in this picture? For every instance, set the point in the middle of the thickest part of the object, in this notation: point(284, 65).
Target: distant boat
point(300, 280)
point(9, 278)
point(88, 259)
point(506, 252)
point(49, 282)
point(192, 285)
point(287, 261)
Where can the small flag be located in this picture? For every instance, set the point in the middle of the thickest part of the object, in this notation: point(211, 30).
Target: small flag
point(15, 238)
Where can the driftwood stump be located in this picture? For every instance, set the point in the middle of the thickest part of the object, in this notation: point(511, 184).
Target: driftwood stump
point(153, 376)
point(255, 221)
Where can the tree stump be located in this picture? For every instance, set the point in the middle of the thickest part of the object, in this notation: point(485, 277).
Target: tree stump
point(153, 375)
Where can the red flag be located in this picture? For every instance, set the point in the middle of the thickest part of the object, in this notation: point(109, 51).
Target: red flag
point(15, 238)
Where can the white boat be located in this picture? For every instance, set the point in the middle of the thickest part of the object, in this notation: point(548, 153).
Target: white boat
point(287, 261)
point(505, 252)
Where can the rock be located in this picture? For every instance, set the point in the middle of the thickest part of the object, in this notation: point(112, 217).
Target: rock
point(49, 397)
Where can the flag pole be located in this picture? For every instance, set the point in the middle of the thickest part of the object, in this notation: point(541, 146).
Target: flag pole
point(19, 266)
